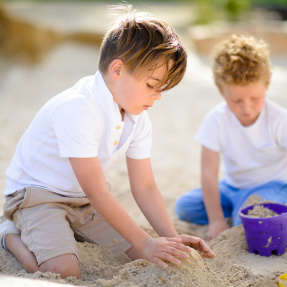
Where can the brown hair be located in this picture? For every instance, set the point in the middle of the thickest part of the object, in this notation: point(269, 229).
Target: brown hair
point(241, 60)
point(143, 42)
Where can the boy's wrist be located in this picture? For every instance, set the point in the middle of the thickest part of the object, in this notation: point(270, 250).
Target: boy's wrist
point(140, 242)
point(167, 232)
point(216, 217)
point(217, 220)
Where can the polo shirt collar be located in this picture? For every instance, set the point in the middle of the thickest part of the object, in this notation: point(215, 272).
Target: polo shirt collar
point(107, 98)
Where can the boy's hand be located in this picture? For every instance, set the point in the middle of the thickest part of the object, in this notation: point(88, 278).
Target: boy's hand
point(198, 244)
point(170, 249)
point(215, 228)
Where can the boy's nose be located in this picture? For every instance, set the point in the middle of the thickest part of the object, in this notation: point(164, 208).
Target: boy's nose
point(245, 107)
point(157, 96)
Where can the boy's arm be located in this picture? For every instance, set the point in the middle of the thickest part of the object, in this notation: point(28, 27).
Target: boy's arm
point(90, 175)
point(151, 203)
point(209, 181)
point(148, 196)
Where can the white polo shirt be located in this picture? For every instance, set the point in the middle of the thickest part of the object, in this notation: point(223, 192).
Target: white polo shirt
point(251, 155)
point(81, 122)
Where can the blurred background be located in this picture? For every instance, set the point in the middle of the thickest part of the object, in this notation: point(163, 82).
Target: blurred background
point(204, 21)
point(47, 46)
point(30, 29)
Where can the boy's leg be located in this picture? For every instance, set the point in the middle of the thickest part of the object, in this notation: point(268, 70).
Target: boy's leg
point(66, 265)
point(190, 206)
point(7, 227)
point(46, 228)
point(96, 230)
point(91, 227)
point(11, 241)
point(28, 260)
point(45, 231)
point(16, 246)
point(49, 239)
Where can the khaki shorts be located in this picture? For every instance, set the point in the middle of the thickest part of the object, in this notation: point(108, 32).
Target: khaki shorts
point(51, 223)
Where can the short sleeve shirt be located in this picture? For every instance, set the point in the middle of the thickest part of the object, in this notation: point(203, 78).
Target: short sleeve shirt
point(251, 155)
point(81, 122)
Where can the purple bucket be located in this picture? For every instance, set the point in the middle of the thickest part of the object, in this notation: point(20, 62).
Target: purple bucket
point(266, 236)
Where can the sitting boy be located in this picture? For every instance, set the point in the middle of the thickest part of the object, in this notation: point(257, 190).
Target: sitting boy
point(247, 130)
point(56, 190)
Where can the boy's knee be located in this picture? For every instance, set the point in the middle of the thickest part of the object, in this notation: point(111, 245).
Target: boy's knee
point(180, 207)
point(65, 265)
point(184, 208)
point(190, 209)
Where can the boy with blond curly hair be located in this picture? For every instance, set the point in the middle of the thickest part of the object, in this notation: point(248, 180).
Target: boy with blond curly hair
point(56, 192)
point(247, 130)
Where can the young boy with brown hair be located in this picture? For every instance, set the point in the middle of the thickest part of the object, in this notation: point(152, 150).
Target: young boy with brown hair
point(56, 190)
point(247, 130)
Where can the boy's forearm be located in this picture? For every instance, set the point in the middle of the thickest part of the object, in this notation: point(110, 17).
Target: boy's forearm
point(212, 201)
point(209, 181)
point(112, 211)
point(153, 207)
point(148, 196)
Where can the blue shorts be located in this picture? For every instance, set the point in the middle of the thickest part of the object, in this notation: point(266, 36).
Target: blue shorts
point(190, 206)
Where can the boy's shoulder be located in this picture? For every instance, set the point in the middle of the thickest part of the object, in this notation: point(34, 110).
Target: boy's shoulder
point(218, 110)
point(275, 105)
point(274, 110)
point(217, 115)
point(84, 90)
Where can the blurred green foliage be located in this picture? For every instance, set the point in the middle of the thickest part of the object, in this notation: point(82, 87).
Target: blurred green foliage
point(270, 2)
point(102, 1)
point(206, 10)
point(238, 2)
point(210, 10)
point(234, 10)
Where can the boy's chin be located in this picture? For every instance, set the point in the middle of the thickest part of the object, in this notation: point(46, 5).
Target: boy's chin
point(247, 122)
point(136, 113)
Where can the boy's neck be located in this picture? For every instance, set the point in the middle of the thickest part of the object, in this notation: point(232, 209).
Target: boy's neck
point(109, 84)
point(122, 111)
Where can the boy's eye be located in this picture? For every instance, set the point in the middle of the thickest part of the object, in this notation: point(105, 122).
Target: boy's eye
point(149, 86)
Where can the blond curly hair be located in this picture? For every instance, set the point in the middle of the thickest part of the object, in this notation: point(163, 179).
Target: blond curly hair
point(241, 60)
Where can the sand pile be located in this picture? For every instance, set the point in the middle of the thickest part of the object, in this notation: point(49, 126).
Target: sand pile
point(100, 268)
point(234, 266)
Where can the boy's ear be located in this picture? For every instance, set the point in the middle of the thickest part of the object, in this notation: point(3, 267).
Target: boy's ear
point(116, 68)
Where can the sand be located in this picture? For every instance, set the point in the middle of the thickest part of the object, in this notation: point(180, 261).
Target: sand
point(233, 266)
point(259, 211)
point(175, 159)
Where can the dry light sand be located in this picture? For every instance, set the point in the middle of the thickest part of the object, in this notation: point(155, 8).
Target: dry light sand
point(175, 159)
